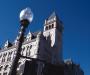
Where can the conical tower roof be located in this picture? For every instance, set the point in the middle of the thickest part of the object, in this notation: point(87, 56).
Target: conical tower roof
point(53, 15)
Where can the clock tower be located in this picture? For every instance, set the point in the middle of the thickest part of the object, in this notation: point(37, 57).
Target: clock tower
point(53, 29)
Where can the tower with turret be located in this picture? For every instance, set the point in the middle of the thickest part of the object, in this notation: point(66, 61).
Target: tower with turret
point(53, 29)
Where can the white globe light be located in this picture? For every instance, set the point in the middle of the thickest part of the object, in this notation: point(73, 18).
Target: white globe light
point(26, 14)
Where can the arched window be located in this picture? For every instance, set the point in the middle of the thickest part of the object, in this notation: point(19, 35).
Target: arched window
point(22, 52)
point(0, 55)
point(4, 57)
point(23, 48)
point(6, 67)
point(5, 54)
point(27, 47)
point(50, 26)
point(46, 28)
point(3, 60)
point(9, 56)
point(1, 67)
point(28, 50)
point(5, 73)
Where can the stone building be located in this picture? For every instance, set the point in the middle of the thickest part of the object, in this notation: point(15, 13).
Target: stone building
point(43, 45)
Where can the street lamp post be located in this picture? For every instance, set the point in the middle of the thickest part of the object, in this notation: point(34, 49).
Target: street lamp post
point(26, 17)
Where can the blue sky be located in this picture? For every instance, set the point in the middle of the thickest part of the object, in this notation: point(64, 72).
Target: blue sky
point(75, 15)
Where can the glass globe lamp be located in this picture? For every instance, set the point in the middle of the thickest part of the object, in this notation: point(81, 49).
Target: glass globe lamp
point(26, 16)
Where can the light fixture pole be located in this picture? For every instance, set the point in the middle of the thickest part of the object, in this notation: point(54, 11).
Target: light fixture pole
point(26, 17)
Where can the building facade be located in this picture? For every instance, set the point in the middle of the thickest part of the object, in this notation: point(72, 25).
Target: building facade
point(43, 45)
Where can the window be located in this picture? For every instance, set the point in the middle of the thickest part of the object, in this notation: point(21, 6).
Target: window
point(27, 47)
point(9, 59)
point(50, 26)
point(5, 54)
point(22, 52)
point(5, 73)
point(46, 28)
point(23, 48)
point(1, 67)
point(30, 46)
point(6, 67)
point(3, 59)
point(9, 56)
point(28, 50)
point(10, 53)
point(0, 55)
point(28, 53)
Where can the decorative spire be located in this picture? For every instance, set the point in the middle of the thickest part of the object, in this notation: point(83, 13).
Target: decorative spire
point(7, 44)
point(16, 40)
point(52, 15)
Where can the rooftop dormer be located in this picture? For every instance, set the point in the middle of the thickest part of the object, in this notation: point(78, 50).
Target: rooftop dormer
point(7, 44)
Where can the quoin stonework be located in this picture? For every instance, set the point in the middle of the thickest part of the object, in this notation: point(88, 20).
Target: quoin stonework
point(45, 49)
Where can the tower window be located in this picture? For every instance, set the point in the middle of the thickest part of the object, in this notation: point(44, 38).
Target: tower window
point(46, 28)
point(50, 26)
